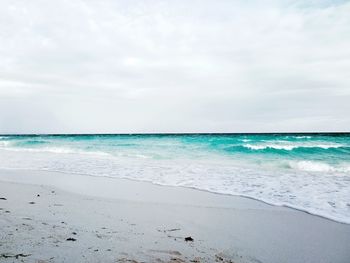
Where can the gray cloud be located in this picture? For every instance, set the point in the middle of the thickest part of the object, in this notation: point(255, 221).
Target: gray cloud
point(174, 66)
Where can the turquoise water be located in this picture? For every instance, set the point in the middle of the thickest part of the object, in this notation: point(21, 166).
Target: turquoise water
point(310, 172)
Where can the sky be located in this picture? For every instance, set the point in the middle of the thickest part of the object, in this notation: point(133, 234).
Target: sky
point(137, 66)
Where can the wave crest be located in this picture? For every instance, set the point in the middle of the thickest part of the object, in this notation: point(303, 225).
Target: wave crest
point(290, 147)
point(313, 166)
point(64, 150)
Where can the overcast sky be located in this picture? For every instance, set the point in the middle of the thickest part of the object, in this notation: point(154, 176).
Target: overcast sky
point(113, 66)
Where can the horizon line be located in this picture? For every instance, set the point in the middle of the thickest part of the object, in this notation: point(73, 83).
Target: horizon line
point(175, 133)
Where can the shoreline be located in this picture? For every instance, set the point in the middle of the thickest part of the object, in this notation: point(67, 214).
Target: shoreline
point(225, 227)
point(299, 209)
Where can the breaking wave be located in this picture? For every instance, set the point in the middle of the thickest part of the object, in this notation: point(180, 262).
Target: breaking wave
point(277, 169)
point(289, 147)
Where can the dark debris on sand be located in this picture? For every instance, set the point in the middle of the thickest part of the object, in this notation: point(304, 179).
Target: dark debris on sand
point(189, 239)
point(14, 256)
point(220, 258)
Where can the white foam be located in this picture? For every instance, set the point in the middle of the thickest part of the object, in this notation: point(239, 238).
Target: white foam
point(4, 143)
point(58, 150)
point(272, 146)
point(295, 187)
point(313, 166)
point(290, 146)
point(302, 137)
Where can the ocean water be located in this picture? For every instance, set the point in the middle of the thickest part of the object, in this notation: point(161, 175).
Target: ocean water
point(310, 172)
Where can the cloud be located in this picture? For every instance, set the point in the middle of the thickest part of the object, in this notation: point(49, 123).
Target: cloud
point(174, 66)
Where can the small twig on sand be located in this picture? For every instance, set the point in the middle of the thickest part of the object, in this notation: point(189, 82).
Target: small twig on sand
point(173, 229)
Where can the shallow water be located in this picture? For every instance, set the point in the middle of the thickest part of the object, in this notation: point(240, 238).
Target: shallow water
point(310, 172)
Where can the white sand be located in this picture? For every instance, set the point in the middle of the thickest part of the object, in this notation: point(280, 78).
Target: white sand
point(115, 220)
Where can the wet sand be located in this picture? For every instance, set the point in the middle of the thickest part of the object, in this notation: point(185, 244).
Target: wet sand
point(56, 217)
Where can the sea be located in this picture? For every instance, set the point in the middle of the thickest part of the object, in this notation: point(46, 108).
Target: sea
point(309, 171)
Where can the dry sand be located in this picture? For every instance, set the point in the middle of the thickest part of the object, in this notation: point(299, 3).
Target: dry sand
point(55, 217)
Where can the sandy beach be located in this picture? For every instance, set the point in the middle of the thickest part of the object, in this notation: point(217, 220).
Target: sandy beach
point(174, 131)
point(57, 217)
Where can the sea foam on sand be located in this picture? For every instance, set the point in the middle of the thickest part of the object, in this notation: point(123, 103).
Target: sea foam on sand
point(57, 217)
